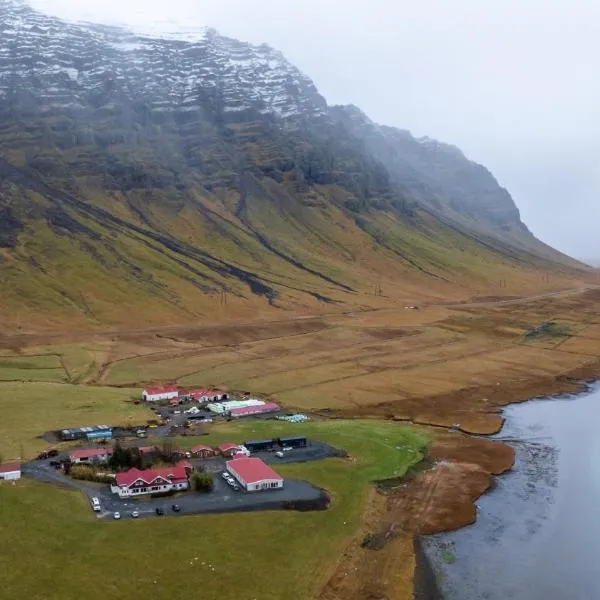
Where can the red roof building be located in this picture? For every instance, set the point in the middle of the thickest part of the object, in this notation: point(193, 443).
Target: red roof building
point(228, 449)
point(87, 455)
point(136, 482)
point(246, 411)
point(202, 451)
point(253, 474)
point(206, 395)
point(164, 392)
point(10, 471)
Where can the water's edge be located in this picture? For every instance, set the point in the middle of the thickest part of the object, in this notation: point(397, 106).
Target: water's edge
point(425, 582)
point(429, 573)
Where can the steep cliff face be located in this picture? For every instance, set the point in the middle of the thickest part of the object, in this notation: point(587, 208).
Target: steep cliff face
point(172, 179)
point(438, 175)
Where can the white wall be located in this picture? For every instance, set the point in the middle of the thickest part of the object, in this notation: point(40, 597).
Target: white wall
point(10, 476)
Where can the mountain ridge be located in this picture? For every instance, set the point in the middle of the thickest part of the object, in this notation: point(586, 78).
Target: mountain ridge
point(177, 179)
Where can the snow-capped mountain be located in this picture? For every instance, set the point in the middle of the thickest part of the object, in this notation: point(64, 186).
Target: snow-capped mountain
point(58, 65)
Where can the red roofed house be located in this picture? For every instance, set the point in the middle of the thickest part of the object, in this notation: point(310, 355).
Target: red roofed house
point(228, 449)
point(89, 455)
point(165, 392)
point(202, 395)
point(136, 482)
point(253, 474)
point(202, 451)
point(10, 471)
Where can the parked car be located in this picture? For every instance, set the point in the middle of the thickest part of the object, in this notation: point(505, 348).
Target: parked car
point(55, 463)
point(117, 515)
point(279, 454)
point(235, 486)
point(225, 475)
point(135, 514)
point(287, 449)
point(96, 504)
point(176, 507)
point(160, 511)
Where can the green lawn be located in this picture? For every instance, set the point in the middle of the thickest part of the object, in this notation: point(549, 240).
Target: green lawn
point(264, 556)
point(28, 410)
point(32, 368)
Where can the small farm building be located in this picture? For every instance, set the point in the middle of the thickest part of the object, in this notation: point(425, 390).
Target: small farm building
point(89, 455)
point(10, 472)
point(293, 442)
point(202, 395)
point(260, 445)
point(254, 475)
point(165, 392)
point(94, 432)
point(228, 449)
point(202, 451)
point(248, 411)
point(221, 408)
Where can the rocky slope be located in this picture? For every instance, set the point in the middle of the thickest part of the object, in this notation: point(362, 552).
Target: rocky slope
point(172, 179)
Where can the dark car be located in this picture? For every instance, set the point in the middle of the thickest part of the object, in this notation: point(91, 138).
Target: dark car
point(56, 464)
point(160, 511)
point(176, 507)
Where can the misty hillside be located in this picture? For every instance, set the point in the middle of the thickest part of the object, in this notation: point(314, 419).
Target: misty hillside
point(160, 180)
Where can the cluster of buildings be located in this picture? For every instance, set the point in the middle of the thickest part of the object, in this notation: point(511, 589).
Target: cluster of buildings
point(216, 401)
point(173, 393)
point(251, 473)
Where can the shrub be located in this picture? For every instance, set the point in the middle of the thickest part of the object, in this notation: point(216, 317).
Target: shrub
point(203, 482)
point(89, 473)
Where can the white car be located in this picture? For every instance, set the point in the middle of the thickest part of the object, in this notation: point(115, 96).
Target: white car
point(117, 515)
point(96, 504)
point(226, 476)
point(135, 514)
point(279, 454)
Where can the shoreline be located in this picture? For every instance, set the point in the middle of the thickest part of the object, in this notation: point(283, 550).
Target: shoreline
point(428, 577)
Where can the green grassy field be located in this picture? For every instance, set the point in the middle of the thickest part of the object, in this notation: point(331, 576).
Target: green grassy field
point(262, 556)
point(30, 409)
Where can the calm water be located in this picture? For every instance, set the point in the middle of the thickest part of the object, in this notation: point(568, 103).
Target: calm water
point(538, 531)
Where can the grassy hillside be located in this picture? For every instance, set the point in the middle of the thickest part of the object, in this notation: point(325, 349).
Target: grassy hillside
point(89, 258)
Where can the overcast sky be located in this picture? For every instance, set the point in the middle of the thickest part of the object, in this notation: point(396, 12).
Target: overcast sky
point(513, 83)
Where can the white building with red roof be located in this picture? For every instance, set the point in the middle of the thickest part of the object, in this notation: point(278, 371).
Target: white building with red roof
point(10, 471)
point(163, 392)
point(254, 475)
point(136, 482)
point(89, 455)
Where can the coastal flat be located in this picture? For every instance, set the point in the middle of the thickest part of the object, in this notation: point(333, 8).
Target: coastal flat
point(439, 366)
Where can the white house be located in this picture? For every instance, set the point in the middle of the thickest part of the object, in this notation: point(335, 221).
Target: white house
point(165, 392)
point(253, 474)
point(10, 471)
point(136, 482)
point(89, 455)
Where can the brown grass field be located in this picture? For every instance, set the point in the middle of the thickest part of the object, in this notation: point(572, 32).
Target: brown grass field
point(438, 366)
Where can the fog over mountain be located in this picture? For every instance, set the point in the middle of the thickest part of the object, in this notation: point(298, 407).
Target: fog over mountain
point(510, 83)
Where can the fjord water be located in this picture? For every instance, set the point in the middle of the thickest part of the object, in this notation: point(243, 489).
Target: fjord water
point(537, 535)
